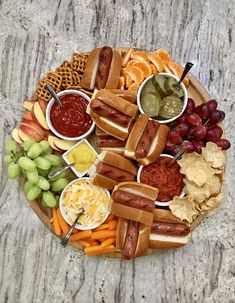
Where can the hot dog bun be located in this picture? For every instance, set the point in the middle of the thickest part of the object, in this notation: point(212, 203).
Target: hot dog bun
point(133, 213)
point(143, 240)
point(107, 125)
point(122, 227)
point(158, 240)
point(128, 95)
point(88, 79)
point(115, 70)
point(121, 167)
point(156, 147)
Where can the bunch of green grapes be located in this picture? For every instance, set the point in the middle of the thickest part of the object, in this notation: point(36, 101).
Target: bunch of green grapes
point(35, 161)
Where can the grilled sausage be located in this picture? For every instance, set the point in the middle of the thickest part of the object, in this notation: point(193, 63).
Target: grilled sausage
point(130, 244)
point(105, 59)
point(114, 173)
point(109, 141)
point(128, 199)
point(170, 228)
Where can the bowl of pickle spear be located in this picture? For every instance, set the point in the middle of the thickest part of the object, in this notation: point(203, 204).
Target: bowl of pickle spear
point(163, 97)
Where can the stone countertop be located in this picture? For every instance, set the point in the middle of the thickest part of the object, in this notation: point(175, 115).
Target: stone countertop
point(35, 36)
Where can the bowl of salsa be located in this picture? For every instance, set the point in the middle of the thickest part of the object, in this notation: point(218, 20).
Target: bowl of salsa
point(167, 178)
point(70, 121)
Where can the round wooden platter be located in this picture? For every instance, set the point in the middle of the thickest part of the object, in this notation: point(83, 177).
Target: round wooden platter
point(197, 92)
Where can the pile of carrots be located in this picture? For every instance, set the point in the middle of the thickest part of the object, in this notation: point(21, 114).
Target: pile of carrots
point(98, 241)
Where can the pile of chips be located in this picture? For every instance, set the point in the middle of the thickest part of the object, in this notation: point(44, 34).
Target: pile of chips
point(203, 183)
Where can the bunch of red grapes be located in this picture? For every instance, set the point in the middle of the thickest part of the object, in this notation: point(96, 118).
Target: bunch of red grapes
point(196, 126)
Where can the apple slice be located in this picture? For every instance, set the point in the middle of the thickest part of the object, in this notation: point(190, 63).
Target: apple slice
point(42, 105)
point(33, 125)
point(30, 132)
point(23, 136)
point(51, 143)
point(47, 133)
point(39, 116)
point(27, 115)
point(63, 144)
point(28, 104)
point(15, 135)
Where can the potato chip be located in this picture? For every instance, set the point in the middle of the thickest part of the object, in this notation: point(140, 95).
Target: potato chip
point(211, 204)
point(184, 208)
point(214, 154)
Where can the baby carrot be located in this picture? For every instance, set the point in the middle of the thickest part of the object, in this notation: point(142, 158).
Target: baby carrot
point(81, 235)
point(110, 218)
point(56, 223)
point(103, 234)
point(63, 224)
point(108, 241)
point(99, 250)
point(84, 243)
point(112, 224)
point(101, 227)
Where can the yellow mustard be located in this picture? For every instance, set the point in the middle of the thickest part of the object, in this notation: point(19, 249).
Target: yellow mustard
point(82, 156)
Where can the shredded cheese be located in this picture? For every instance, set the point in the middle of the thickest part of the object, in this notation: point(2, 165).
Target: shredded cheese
point(94, 200)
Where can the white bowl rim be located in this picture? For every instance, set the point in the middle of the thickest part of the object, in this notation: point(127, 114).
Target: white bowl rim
point(48, 118)
point(185, 101)
point(64, 156)
point(159, 203)
point(79, 226)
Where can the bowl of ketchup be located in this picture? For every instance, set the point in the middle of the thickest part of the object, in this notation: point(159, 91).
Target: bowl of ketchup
point(167, 179)
point(70, 121)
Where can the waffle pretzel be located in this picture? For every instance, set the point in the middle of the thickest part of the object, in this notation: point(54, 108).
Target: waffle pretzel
point(54, 79)
point(67, 75)
point(79, 61)
point(76, 78)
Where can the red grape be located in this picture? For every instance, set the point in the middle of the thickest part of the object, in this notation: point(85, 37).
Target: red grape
point(200, 132)
point(197, 145)
point(211, 135)
point(212, 105)
point(197, 109)
point(194, 119)
point(181, 119)
point(188, 146)
point(219, 131)
point(169, 146)
point(191, 133)
point(222, 116)
point(204, 112)
point(190, 106)
point(174, 137)
point(182, 129)
point(223, 143)
point(215, 117)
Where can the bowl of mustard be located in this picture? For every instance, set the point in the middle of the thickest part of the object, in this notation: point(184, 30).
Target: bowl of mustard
point(82, 155)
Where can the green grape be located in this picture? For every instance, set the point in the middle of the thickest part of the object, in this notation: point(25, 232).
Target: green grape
point(43, 183)
point(59, 184)
point(33, 193)
point(49, 199)
point(42, 163)
point(43, 173)
point(13, 170)
point(8, 159)
point(34, 151)
point(61, 175)
point(26, 163)
point(43, 203)
point(32, 176)
point(11, 146)
point(47, 152)
point(27, 186)
point(44, 144)
point(54, 159)
point(27, 144)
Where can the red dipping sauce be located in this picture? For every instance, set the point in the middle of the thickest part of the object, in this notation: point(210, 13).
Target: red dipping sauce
point(71, 119)
point(167, 179)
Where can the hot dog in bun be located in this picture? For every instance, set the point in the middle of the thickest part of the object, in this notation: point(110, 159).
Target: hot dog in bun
point(112, 114)
point(106, 142)
point(134, 201)
point(146, 141)
point(102, 69)
point(110, 169)
point(167, 231)
point(132, 238)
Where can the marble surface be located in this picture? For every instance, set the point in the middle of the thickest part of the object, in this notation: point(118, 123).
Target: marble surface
point(35, 36)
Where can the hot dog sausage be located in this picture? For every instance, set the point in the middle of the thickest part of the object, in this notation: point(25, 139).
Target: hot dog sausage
point(132, 200)
point(105, 59)
point(109, 141)
point(146, 139)
point(170, 228)
point(107, 111)
point(114, 172)
point(130, 243)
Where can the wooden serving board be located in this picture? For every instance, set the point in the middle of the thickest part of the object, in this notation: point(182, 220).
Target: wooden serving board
point(197, 92)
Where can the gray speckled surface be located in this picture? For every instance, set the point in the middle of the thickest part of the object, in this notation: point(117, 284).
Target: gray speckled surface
point(35, 36)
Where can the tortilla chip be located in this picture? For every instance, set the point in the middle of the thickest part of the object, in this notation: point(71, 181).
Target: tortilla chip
point(211, 204)
point(187, 159)
point(214, 154)
point(184, 208)
point(199, 194)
